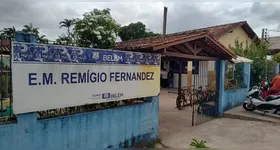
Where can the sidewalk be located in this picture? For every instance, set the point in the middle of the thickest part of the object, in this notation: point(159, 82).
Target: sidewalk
point(228, 133)
point(175, 130)
point(240, 113)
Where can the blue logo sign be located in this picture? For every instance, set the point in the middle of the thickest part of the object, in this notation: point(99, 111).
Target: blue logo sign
point(112, 95)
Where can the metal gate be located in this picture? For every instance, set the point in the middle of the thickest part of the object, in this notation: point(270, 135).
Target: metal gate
point(6, 113)
point(204, 91)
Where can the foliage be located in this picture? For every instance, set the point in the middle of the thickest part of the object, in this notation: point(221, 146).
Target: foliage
point(234, 77)
point(65, 40)
point(196, 144)
point(67, 23)
point(34, 30)
point(30, 29)
point(258, 53)
point(43, 39)
point(97, 28)
point(270, 70)
point(276, 57)
point(8, 33)
point(252, 51)
point(135, 31)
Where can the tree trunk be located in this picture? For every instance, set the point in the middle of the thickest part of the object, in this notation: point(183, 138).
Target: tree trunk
point(68, 32)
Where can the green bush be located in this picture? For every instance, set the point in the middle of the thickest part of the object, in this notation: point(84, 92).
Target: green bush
point(276, 57)
point(196, 144)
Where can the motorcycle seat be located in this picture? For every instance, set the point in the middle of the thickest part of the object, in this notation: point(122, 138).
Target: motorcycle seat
point(272, 97)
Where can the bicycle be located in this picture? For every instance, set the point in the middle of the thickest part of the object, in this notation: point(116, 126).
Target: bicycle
point(208, 96)
point(198, 94)
point(181, 100)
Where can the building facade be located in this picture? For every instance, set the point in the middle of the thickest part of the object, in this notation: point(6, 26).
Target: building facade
point(225, 34)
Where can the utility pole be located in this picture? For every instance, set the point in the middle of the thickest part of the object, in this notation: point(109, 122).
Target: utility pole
point(264, 35)
point(264, 40)
point(164, 25)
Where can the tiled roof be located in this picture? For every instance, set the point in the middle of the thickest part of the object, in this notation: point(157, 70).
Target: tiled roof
point(214, 31)
point(275, 42)
point(5, 45)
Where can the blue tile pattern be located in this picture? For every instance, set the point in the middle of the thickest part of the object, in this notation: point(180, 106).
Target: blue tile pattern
point(47, 53)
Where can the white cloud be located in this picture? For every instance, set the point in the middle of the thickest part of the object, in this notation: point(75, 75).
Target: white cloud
point(181, 15)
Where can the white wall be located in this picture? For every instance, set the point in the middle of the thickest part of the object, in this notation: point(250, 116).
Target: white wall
point(200, 79)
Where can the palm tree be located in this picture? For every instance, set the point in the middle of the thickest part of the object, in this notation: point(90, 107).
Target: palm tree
point(30, 29)
point(43, 39)
point(64, 40)
point(8, 33)
point(67, 23)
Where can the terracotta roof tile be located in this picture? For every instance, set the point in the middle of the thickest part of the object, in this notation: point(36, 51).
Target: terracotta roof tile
point(215, 31)
point(5, 45)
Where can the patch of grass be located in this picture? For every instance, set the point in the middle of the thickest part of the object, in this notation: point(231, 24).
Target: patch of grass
point(196, 144)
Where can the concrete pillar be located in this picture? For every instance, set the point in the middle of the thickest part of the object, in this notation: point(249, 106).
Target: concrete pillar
point(180, 77)
point(220, 68)
point(246, 75)
point(189, 81)
point(215, 66)
point(211, 75)
point(276, 69)
point(26, 123)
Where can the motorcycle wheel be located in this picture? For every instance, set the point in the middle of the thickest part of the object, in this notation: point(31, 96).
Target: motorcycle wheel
point(248, 107)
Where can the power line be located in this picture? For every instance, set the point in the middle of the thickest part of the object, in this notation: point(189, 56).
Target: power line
point(274, 30)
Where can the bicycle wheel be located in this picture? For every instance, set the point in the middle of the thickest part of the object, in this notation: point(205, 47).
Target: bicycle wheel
point(200, 105)
point(180, 101)
point(212, 96)
point(188, 98)
point(199, 96)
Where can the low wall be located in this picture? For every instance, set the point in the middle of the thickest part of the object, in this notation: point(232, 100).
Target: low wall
point(233, 98)
point(117, 128)
point(229, 99)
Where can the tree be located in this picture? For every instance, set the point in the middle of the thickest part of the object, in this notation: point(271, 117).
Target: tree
point(8, 33)
point(34, 30)
point(64, 40)
point(43, 39)
point(261, 67)
point(276, 57)
point(252, 51)
point(97, 28)
point(135, 31)
point(67, 23)
point(30, 29)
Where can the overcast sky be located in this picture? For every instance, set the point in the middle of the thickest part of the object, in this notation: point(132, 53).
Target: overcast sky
point(181, 15)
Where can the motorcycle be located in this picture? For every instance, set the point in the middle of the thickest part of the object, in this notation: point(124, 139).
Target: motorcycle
point(254, 101)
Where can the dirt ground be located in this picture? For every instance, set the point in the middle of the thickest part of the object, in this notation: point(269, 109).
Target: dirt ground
point(175, 129)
